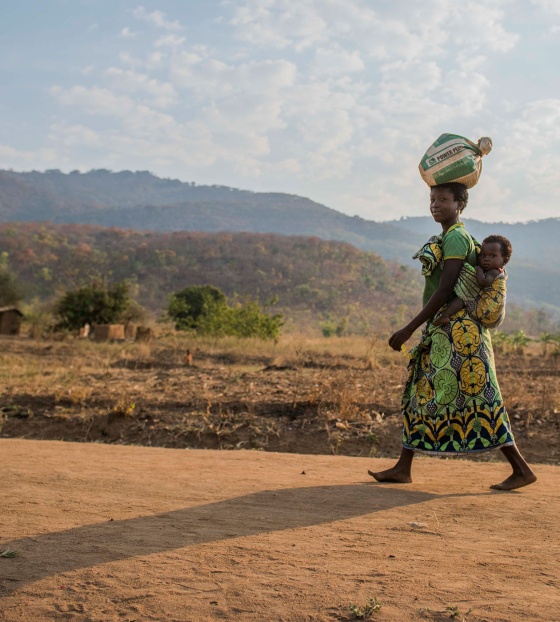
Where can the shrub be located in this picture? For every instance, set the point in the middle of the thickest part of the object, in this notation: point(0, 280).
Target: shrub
point(204, 309)
point(93, 304)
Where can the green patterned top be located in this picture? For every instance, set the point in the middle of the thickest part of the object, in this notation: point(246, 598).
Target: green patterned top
point(457, 244)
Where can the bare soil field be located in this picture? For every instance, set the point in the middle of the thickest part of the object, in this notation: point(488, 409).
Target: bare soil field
point(338, 396)
point(114, 533)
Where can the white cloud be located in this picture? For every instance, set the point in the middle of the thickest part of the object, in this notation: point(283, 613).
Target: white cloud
point(216, 79)
point(478, 26)
point(134, 116)
point(19, 159)
point(156, 18)
point(335, 60)
point(171, 41)
point(128, 59)
point(74, 135)
point(548, 5)
point(532, 147)
point(126, 33)
point(161, 94)
point(279, 23)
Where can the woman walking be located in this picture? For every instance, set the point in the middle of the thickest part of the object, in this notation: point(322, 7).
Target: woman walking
point(452, 402)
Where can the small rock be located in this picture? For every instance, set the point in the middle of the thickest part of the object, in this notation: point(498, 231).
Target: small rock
point(418, 525)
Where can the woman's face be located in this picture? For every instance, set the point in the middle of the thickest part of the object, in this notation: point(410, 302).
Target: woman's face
point(445, 209)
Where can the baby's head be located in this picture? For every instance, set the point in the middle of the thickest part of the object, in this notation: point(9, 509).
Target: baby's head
point(495, 252)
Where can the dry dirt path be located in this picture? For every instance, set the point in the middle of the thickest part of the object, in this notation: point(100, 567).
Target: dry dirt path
point(133, 533)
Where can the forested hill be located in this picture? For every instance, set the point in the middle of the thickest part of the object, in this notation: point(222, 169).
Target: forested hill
point(314, 280)
point(145, 202)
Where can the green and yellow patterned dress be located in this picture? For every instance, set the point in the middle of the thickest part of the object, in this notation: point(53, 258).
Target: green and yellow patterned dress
point(452, 402)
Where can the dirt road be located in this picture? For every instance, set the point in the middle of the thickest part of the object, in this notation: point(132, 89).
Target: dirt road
point(110, 532)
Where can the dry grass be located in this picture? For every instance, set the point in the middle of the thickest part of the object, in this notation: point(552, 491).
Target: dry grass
point(339, 395)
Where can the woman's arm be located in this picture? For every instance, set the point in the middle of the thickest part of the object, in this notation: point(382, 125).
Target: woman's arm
point(449, 275)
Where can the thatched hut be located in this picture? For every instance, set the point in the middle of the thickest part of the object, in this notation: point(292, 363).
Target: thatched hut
point(10, 320)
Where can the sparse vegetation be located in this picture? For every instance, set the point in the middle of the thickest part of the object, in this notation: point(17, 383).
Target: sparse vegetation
point(301, 395)
point(363, 612)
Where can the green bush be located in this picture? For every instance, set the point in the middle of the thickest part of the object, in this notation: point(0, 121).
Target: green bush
point(93, 304)
point(204, 309)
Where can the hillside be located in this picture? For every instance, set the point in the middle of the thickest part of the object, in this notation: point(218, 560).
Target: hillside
point(145, 202)
point(313, 279)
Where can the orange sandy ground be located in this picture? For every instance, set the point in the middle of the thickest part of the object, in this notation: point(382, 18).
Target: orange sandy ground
point(110, 532)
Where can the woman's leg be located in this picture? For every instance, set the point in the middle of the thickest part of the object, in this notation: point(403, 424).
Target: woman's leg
point(400, 473)
point(522, 474)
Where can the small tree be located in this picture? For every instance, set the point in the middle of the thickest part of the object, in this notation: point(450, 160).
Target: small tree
point(519, 341)
point(193, 305)
point(546, 339)
point(204, 309)
point(93, 304)
point(248, 320)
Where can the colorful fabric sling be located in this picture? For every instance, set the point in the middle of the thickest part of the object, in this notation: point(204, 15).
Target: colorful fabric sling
point(487, 306)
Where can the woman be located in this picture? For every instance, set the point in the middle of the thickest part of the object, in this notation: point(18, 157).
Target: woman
point(452, 402)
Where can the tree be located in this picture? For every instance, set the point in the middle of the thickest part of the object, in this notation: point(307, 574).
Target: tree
point(192, 305)
point(93, 304)
point(204, 309)
point(545, 339)
point(248, 320)
point(10, 290)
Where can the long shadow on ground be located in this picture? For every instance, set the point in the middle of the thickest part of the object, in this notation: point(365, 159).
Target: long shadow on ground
point(252, 514)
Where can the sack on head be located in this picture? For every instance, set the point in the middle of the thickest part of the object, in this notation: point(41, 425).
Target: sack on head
point(454, 158)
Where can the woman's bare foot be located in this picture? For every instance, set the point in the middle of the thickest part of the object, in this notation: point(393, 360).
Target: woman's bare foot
point(522, 474)
point(516, 480)
point(394, 475)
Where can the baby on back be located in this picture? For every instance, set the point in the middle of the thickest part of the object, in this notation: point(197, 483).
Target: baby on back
point(482, 289)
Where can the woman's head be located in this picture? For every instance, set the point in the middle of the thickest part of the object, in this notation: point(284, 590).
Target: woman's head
point(447, 201)
point(459, 192)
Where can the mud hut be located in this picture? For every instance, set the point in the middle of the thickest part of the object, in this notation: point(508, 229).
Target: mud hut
point(108, 332)
point(10, 320)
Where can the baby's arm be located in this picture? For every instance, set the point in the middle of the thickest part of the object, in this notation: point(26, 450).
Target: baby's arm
point(455, 305)
point(485, 279)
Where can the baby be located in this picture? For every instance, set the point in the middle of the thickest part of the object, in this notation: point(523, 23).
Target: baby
point(482, 289)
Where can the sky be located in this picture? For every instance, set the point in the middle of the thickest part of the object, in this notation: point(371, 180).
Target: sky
point(334, 100)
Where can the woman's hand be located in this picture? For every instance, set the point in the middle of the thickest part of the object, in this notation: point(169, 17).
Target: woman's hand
point(400, 337)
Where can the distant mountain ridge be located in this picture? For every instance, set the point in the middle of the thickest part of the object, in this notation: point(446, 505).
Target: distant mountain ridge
point(142, 201)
